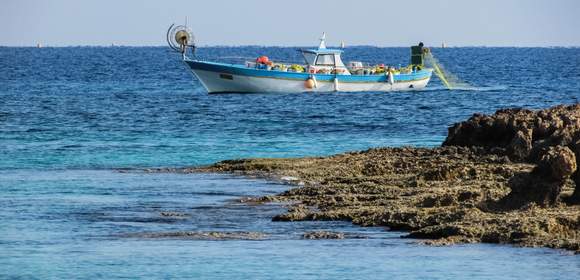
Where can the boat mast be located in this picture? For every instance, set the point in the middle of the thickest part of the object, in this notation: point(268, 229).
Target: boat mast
point(322, 41)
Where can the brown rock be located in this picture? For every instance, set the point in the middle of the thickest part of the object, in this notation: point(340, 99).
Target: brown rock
point(518, 131)
point(575, 198)
point(521, 145)
point(524, 135)
point(560, 161)
point(544, 183)
point(296, 213)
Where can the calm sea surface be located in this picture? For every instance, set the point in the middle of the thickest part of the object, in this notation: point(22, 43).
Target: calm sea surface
point(69, 117)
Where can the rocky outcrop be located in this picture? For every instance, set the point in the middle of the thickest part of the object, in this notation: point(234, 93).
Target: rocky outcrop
point(519, 133)
point(439, 193)
point(544, 183)
point(497, 179)
point(522, 135)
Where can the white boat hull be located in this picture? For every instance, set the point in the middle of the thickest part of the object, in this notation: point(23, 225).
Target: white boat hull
point(222, 78)
point(238, 83)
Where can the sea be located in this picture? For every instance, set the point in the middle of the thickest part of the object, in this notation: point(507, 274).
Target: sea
point(78, 125)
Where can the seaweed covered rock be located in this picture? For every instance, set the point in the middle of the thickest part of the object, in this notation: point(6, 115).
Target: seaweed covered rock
point(544, 183)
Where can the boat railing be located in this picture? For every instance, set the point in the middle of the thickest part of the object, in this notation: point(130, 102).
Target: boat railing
point(364, 68)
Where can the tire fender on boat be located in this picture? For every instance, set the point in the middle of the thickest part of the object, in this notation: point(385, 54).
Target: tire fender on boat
point(335, 84)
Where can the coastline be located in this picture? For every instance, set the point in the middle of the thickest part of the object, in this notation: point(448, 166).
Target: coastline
point(419, 202)
point(497, 192)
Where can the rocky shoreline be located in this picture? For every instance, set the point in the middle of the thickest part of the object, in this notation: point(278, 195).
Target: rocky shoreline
point(508, 178)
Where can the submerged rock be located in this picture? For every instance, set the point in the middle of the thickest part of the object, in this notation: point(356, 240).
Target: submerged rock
point(170, 214)
point(323, 235)
point(211, 235)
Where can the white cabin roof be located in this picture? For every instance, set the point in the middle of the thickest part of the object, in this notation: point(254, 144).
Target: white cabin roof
point(311, 55)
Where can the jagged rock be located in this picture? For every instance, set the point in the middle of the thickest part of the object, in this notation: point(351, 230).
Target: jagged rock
point(518, 131)
point(544, 183)
point(575, 198)
point(523, 135)
point(295, 213)
point(560, 161)
point(521, 145)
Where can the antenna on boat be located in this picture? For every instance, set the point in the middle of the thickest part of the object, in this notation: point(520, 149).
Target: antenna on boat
point(180, 37)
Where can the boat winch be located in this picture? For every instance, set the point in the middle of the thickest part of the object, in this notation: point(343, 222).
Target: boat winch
point(179, 38)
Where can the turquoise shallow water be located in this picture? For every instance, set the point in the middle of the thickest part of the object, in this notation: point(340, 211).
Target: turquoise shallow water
point(70, 116)
point(77, 224)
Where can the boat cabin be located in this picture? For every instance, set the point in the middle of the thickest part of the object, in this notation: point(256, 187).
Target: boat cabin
point(323, 60)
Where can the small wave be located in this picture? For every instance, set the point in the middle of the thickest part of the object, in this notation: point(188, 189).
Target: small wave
point(472, 88)
point(466, 88)
point(37, 130)
point(72, 146)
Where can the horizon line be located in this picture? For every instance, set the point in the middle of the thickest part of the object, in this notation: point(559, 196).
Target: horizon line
point(286, 46)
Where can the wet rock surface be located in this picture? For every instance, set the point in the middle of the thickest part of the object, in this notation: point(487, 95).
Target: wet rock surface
point(505, 178)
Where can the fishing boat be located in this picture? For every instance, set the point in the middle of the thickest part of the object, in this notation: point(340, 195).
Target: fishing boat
point(322, 71)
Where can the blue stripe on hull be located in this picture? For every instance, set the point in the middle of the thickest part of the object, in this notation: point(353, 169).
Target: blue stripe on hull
point(245, 71)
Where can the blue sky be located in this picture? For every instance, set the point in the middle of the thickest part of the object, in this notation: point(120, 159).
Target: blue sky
point(293, 22)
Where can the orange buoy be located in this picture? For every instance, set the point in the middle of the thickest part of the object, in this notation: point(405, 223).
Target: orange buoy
point(309, 84)
point(263, 59)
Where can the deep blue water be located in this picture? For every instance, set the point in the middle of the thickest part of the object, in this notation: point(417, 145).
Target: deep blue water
point(70, 116)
